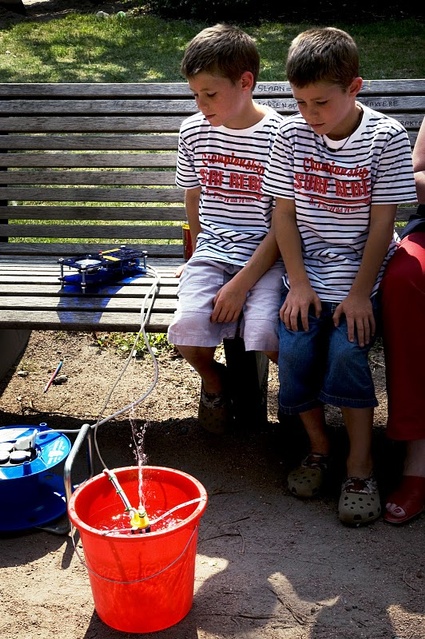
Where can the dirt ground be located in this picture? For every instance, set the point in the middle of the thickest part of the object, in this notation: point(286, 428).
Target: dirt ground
point(268, 565)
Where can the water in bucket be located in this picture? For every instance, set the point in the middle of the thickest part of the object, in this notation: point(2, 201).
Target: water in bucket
point(140, 582)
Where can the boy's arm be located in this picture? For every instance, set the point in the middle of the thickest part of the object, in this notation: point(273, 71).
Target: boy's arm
point(419, 163)
point(229, 301)
point(357, 306)
point(301, 294)
point(191, 202)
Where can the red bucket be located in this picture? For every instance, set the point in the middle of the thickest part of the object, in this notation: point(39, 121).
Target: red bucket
point(140, 582)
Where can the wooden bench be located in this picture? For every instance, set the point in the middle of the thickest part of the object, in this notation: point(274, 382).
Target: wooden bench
point(88, 167)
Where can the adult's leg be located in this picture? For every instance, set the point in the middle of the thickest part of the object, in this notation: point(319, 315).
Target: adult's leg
point(408, 501)
point(403, 303)
point(403, 312)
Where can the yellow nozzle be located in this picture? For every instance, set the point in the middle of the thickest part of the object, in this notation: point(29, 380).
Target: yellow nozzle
point(139, 519)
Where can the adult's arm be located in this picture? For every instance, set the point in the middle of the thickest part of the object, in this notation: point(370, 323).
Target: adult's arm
point(419, 163)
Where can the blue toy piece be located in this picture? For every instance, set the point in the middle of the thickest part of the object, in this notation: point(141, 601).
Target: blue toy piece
point(32, 492)
point(94, 270)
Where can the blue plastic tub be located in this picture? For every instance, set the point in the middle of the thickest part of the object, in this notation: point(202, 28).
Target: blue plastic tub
point(32, 489)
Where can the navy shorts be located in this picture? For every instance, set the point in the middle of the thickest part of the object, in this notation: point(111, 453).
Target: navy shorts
point(320, 366)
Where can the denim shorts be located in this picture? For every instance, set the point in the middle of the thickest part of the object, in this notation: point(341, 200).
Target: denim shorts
point(199, 283)
point(320, 366)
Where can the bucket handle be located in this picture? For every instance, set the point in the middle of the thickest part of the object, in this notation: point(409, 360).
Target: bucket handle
point(134, 581)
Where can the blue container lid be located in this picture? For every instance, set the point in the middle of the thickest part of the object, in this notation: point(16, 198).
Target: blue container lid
point(50, 449)
point(31, 493)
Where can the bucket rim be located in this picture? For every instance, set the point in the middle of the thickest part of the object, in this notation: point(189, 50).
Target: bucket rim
point(80, 524)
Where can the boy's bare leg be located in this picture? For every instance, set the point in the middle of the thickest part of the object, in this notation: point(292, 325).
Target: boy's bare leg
point(359, 423)
point(214, 412)
point(201, 358)
point(315, 426)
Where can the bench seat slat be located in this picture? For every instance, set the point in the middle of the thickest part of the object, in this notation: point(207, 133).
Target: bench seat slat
point(42, 286)
point(72, 303)
point(20, 249)
point(83, 321)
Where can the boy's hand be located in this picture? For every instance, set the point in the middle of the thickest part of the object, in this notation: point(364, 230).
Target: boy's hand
point(179, 270)
point(228, 303)
point(358, 312)
point(296, 306)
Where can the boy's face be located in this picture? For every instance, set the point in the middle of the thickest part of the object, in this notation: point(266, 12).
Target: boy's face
point(220, 100)
point(328, 108)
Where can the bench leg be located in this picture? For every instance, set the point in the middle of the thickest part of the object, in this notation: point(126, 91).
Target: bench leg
point(12, 343)
point(248, 374)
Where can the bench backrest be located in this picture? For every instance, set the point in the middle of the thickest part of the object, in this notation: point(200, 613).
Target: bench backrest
point(94, 163)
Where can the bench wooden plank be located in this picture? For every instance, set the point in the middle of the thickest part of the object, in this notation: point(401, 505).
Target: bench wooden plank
point(166, 89)
point(70, 249)
point(97, 178)
point(121, 213)
point(89, 160)
point(86, 303)
point(112, 124)
point(76, 141)
point(60, 231)
point(107, 194)
point(82, 321)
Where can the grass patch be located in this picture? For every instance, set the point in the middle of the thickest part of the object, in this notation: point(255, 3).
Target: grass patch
point(85, 48)
point(124, 342)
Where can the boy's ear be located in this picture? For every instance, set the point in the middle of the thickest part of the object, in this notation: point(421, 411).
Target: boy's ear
point(247, 80)
point(355, 86)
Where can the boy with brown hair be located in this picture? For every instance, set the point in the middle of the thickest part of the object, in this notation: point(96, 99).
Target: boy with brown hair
point(338, 171)
point(222, 156)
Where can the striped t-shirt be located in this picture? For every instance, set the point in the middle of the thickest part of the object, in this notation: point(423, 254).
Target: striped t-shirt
point(334, 190)
point(228, 165)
